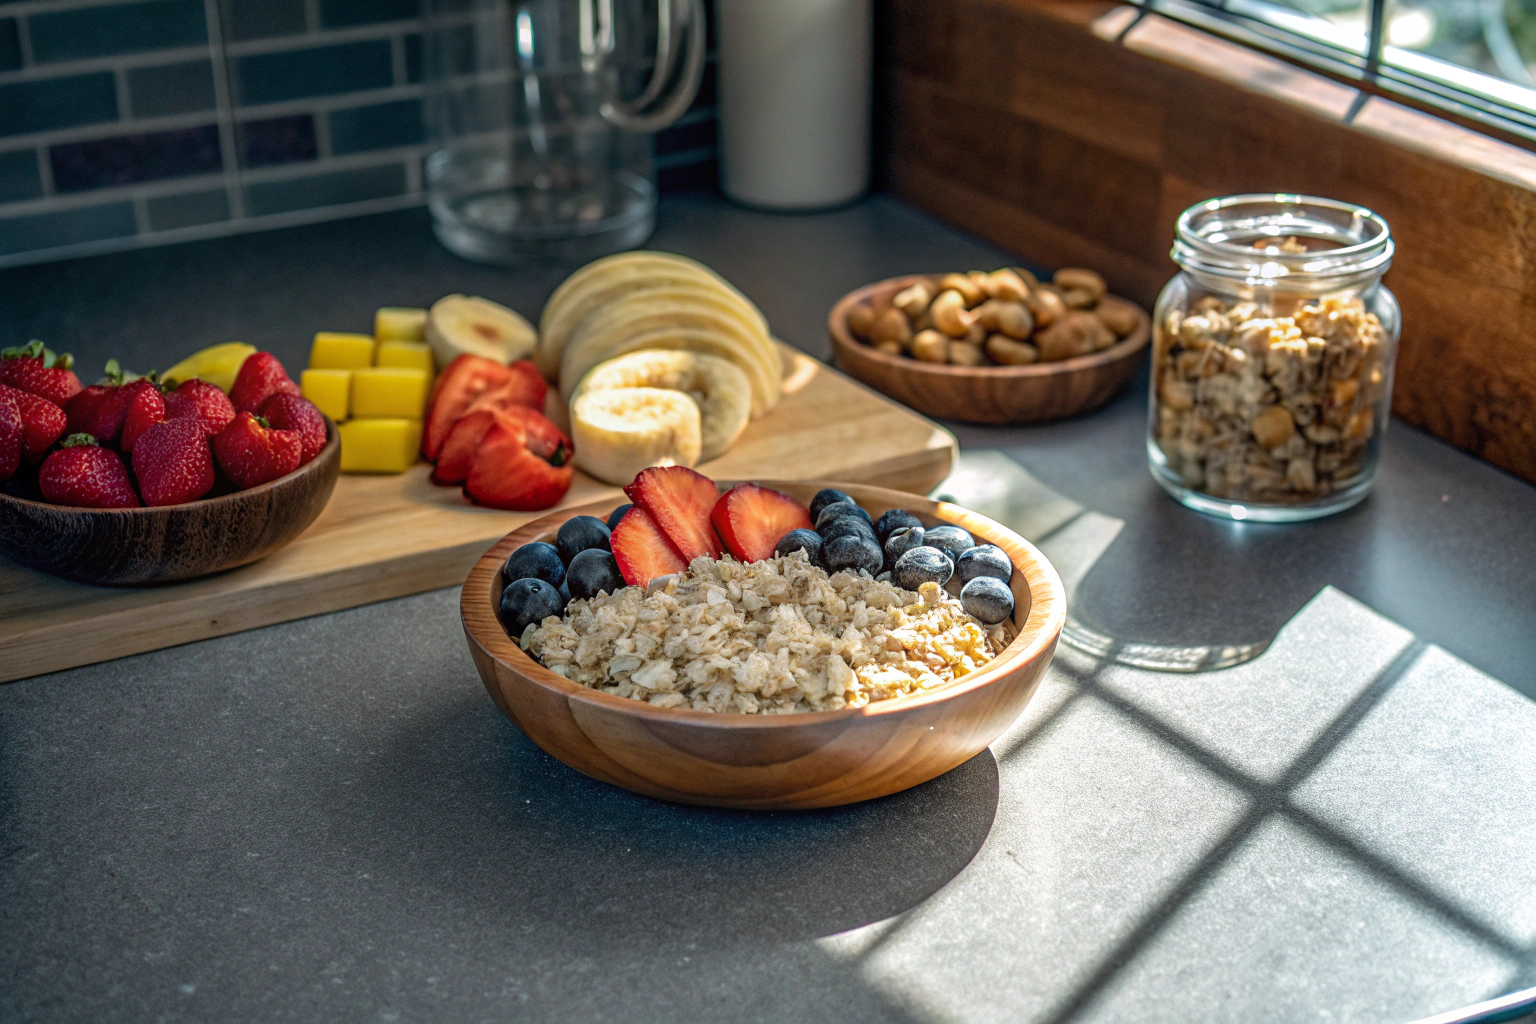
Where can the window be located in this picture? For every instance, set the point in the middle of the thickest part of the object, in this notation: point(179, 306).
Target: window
point(1472, 58)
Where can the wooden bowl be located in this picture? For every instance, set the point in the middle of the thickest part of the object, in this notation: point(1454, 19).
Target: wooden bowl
point(983, 394)
point(136, 546)
point(816, 759)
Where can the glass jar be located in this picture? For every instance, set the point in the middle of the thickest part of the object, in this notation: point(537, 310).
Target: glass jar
point(1272, 356)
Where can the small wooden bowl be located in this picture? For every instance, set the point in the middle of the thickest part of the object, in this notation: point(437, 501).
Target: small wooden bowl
point(137, 546)
point(816, 759)
point(983, 394)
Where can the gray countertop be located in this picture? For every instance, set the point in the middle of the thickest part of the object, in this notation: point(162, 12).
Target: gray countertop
point(328, 819)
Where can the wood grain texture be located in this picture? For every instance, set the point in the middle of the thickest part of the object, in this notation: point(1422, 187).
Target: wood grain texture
point(818, 759)
point(167, 543)
point(388, 536)
point(984, 394)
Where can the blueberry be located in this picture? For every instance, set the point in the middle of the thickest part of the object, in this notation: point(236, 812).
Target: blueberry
point(902, 540)
point(565, 593)
point(802, 539)
point(987, 598)
point(528, 600)
point(843, 510)
point(894, 519)
point(579, 534)
point(593, 570)
point(537, 560)
point(848, 526)
point(983, 560)
point(922, 565)
point(950, 539)
point(825, 497)
point(852, 551)
point(616, 515)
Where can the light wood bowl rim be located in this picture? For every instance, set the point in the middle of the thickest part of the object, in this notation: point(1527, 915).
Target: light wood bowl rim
point(331, 451)
point(1037, 636)
point(837, 326)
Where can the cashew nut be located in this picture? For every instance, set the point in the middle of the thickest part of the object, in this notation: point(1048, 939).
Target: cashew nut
point(860, 319)
point(1045, 306)
point(1006, 285)
point(969, 290)
point(1118, 315)
point(949, 313)
point(1076, 277)
point(1011, 318)
point(1008, 352)
point(930, 347)
point(890, 325)
point(962, 353)
point(914, 299)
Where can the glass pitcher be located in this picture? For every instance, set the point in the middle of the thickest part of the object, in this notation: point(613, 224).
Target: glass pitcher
point(540, 156)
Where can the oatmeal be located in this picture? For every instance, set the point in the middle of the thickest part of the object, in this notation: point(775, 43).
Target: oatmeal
point(776, 636)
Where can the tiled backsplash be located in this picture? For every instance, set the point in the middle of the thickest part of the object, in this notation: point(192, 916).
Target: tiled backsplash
point(140, 121)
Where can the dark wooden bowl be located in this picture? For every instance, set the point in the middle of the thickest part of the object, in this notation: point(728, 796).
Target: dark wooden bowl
point(983, 394)
point(816, 759)
point(136, 546)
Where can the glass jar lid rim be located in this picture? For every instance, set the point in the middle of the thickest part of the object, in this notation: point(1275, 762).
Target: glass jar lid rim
point(1371, 251)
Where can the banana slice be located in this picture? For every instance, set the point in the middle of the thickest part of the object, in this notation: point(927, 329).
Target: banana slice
point(457, 324)
point(719, 387)
point(662, 332)
point(620, 431)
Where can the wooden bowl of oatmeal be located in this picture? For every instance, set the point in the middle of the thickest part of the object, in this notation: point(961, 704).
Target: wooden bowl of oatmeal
point(812, 759)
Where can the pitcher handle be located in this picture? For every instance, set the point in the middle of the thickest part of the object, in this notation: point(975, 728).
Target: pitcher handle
point(676, 21)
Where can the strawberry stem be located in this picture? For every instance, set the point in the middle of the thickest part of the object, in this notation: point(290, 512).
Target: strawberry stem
point(80, 441)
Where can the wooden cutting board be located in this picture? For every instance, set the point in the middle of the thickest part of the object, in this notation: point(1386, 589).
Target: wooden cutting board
point(388, 536)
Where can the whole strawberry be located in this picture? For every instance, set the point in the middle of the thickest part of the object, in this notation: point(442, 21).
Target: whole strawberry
point(100, 409)
point(205, 401)
point(10, 437)
point(38, 371)
point(146, 407)
point(291, 412)
point(42, 423)
point(260, 377)
point(86, 475)
point(252, 453)
point(173, 462)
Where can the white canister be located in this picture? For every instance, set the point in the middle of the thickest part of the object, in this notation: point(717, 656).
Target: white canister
point(794, 101)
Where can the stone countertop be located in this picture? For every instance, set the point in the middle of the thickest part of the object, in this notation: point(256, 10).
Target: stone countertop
point(328, 819)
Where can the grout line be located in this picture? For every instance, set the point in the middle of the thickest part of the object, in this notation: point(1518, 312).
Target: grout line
point(299, 41)
point(397, 59)
point(224, 107)
point(24, 41)
point(413, 174)
point(312, 16)
point(111, 193)
point(686, 158)
point(141, 214)
point(48, 6)
point(68, 68)
point(45, 171)
point(109, 129)
point(124, 103)
point(322, 123)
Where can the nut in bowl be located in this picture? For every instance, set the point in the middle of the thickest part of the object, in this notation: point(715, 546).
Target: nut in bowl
point(995, 347)
point(788, 754)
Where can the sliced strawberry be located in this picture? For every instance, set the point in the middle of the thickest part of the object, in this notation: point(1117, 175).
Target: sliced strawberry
point(11, 431)
point(458, 451)
point(680, 501)
point(752, 519)
point(146, 407)
point(522, 463)
point(85, 475)
point(42, 423)
point(261, 376)
point(38, 371)
point(300, 415)
point(471, 383)
point(207, 402)
point(525, 389)
point(642, 550)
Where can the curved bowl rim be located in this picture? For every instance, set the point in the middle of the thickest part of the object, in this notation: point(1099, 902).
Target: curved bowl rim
point(1047, 617)
point(837, 326)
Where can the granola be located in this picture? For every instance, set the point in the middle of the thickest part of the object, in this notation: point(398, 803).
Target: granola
point(776, 636)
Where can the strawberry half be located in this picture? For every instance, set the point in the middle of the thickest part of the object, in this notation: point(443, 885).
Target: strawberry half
point(86, 475)
point(42, 423)
point(642, 550)
point(523, 463)
point(261, 376)
point(680, 500)
point(472, 383)
point(11, 430)
point(146, 407)
point(38, 371)
point(752, 519)
point(173, 463)
point(292, 412)
point(198, 398)
point(252, 453)
point(457, 454)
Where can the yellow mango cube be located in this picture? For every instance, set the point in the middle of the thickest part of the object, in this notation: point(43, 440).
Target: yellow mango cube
point(412, 355)
point(335, 351)
point(330, 390)
point(390, 392)
point(379, 446)
point(400, 323)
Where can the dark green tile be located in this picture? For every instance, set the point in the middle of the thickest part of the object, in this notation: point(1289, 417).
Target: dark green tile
point(57, 103)
point(328, 189)
point(66, 227)
point(317, 71)
point(184, 211)
point(276, 140)
point(262, 19)
point(10, 45)
point(124, 28)
point(130, 159)
point(359, 129)
point(413, 57)
point(19, 177)
point(338, 13)
point(171, 88)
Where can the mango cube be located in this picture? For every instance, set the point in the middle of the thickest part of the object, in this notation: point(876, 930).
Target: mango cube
point(412, 355)
point(330, 390)
point(379, 446)
point(390, 392)
point(400, 323)
point(334, 351)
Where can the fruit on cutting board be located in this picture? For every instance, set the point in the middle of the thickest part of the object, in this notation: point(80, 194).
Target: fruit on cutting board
point(378, 445)
point(40, 371)
point(217, 364)
point(717, 386)
point(474, 382)
point(522, 464)
point(412, 355)
point(620, 432)
point(389, 392)
point(751, 519)
point(465, 324)
point(463, 444)
point(330, 390)
point(84, 474)
point(335, 350)
point(680, 500)
point(400, 323)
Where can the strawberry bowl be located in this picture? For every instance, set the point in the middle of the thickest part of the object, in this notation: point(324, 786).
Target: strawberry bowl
point(161, 544)
point(803, 760)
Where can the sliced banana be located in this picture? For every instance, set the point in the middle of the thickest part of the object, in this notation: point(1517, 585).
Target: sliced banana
point(720, 388)
point(459, 324)
point(661, 332)
point(620, 431)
